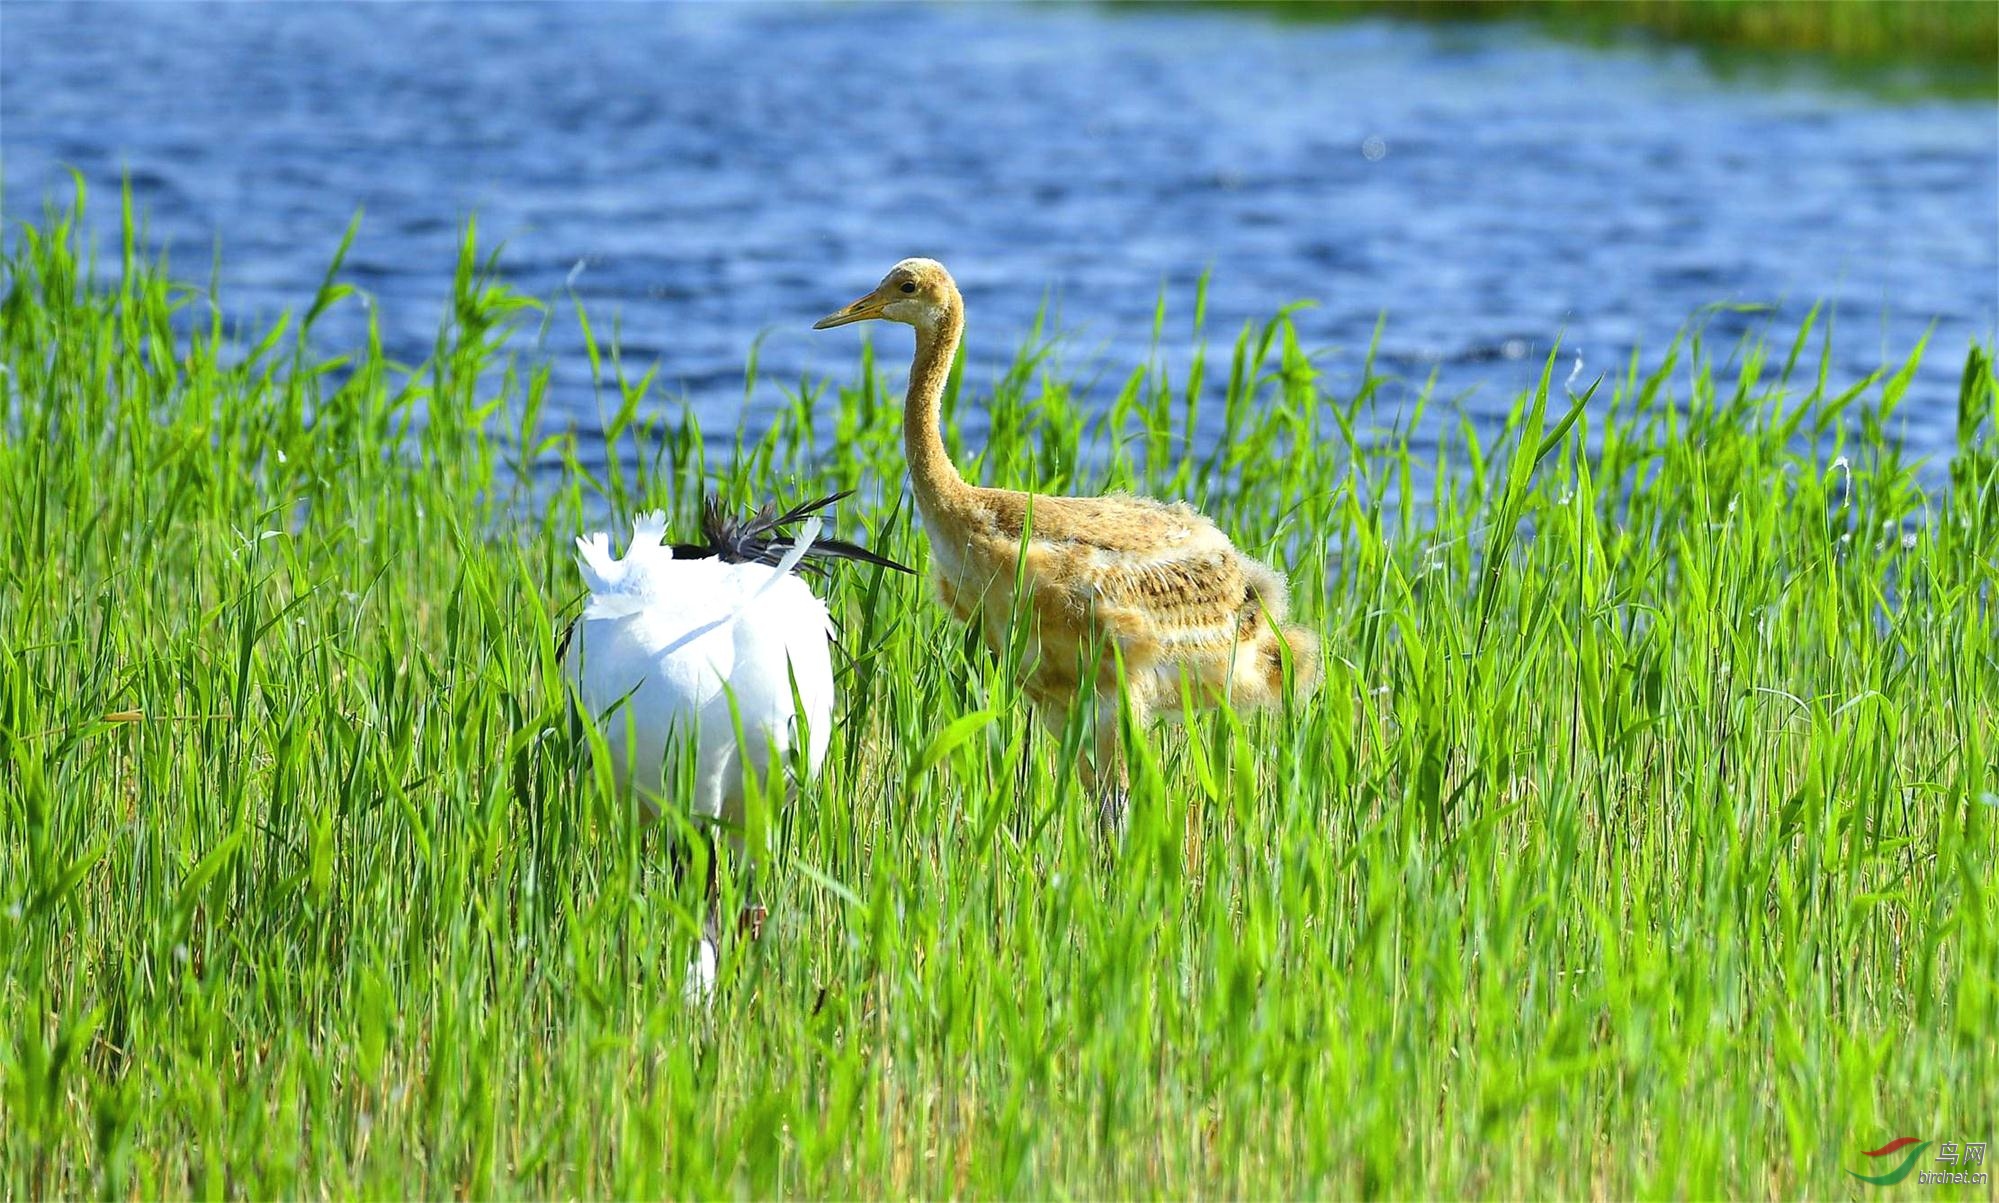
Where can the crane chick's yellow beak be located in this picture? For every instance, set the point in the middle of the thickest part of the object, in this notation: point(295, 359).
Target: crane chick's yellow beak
point(867, 307)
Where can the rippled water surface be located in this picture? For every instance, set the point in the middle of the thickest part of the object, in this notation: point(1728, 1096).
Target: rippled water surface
point(725, 171)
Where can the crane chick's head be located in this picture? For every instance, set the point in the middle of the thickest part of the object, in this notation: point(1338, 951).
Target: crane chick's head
point(916, 292)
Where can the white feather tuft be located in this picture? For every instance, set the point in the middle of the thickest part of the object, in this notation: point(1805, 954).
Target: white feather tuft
point(593, 559)
point(648, 532)
point(620, 586)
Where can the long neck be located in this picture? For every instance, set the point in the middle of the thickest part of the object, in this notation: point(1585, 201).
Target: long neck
point(930, 468)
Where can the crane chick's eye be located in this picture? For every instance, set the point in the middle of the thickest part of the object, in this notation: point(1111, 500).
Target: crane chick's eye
point(908, 287)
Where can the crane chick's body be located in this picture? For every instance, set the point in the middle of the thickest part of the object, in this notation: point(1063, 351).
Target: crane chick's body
point(666, 644)
point(1155, 586)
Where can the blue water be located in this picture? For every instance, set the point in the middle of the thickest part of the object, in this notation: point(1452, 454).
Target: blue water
point(721, 172)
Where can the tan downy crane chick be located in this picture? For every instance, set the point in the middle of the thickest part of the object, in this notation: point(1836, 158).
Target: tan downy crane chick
point(1156, 581)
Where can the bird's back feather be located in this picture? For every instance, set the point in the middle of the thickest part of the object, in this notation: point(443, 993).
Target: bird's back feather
point(1159, 580)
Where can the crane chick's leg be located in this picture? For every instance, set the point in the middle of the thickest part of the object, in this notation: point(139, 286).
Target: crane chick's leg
point(1102, 765)
point(1107, 770)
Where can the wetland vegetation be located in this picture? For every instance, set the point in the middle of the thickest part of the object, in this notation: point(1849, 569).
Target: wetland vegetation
point(1639, 840)
point(1948, 31)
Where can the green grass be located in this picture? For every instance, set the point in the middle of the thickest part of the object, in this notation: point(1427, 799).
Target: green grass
point(1948, 30)
point(1953, 43)
point(1640, 841)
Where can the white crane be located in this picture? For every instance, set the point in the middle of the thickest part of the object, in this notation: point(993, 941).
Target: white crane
point(680, 643)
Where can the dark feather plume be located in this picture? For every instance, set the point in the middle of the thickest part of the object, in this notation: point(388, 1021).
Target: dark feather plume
point(762, 539)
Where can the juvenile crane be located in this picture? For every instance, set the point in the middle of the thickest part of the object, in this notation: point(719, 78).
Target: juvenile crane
point(1154, 584)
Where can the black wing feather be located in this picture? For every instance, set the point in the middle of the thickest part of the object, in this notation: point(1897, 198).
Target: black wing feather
point(761, 538)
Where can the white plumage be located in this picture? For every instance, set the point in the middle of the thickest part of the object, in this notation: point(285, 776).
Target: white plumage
point(664, 644)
